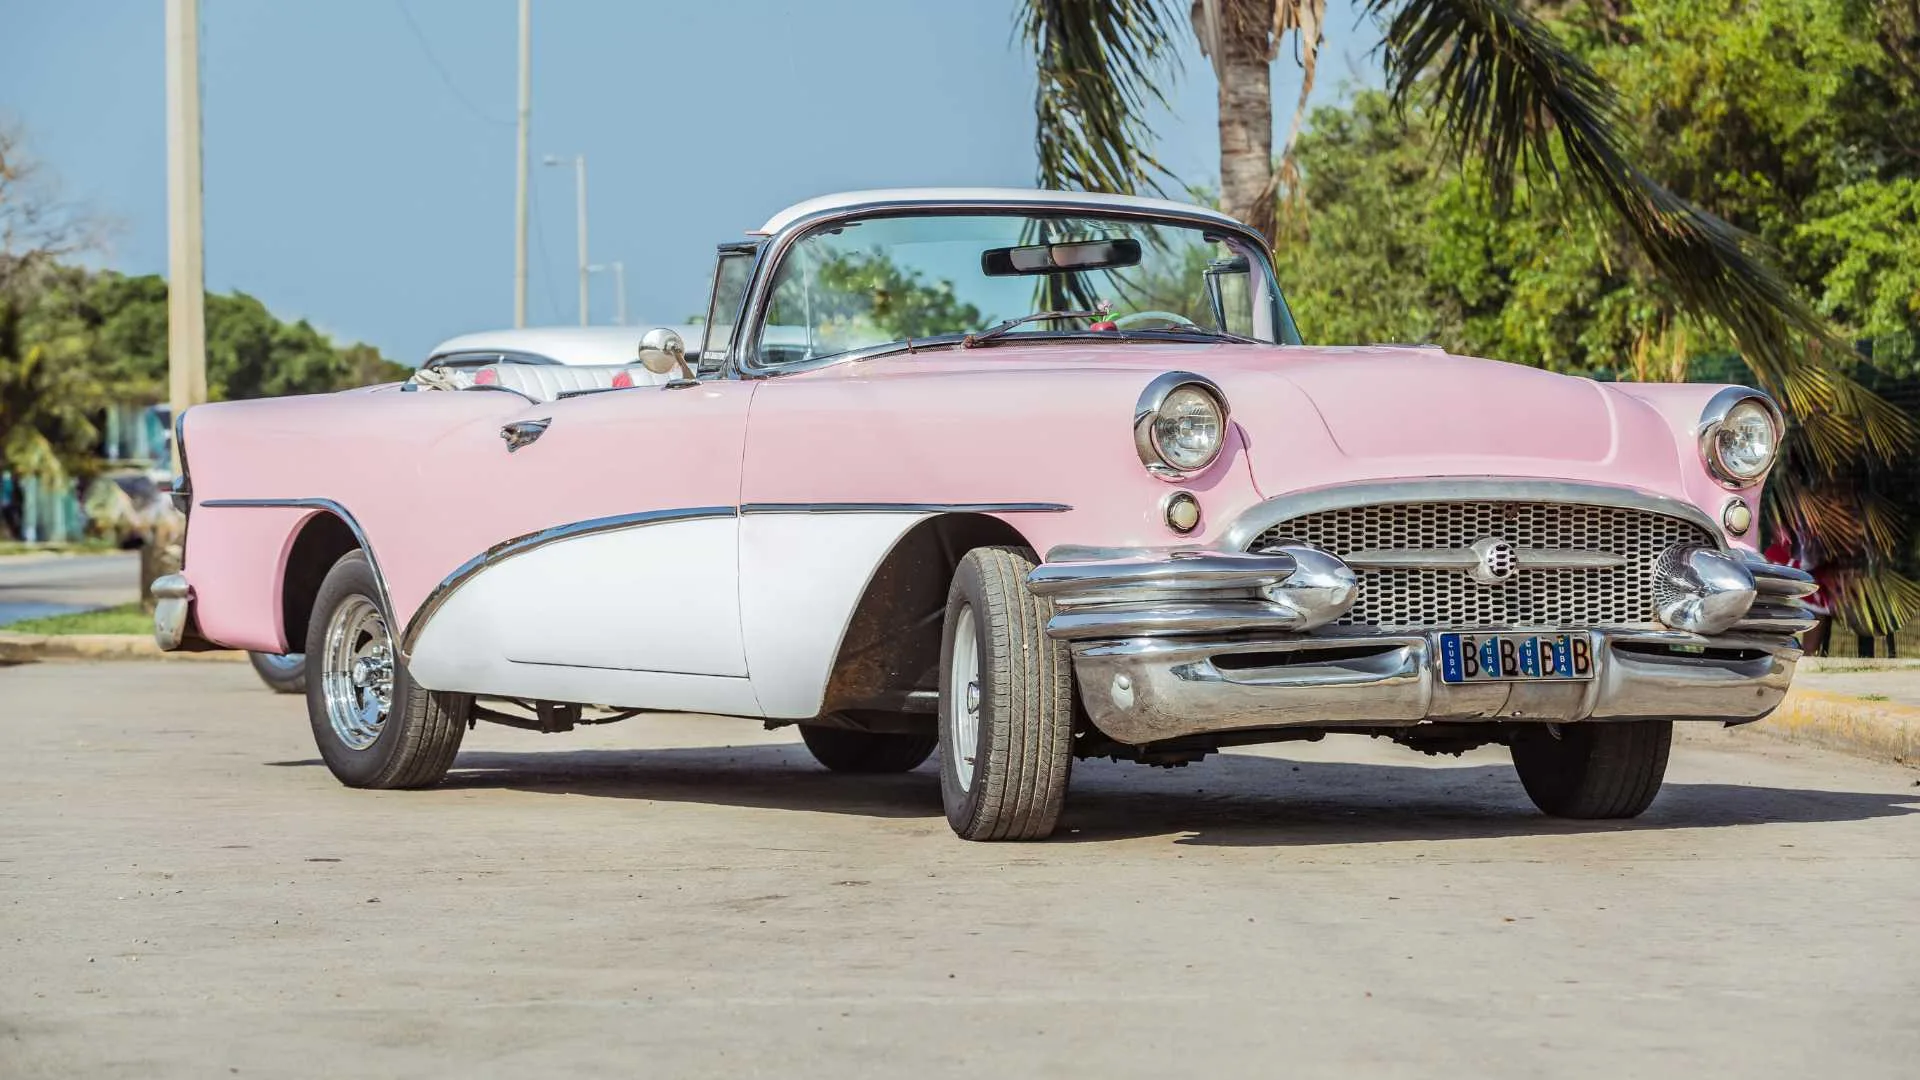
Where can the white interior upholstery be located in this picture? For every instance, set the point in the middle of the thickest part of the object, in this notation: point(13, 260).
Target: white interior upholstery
point(545, 382)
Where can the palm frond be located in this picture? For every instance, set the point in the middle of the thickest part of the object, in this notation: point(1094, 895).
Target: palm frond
point(1505, 88)
point(1872, 599)
point(1099, 64)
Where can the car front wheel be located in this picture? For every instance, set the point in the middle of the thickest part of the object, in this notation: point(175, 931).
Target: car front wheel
point(374, 727)
point(1006, 703)
point(1600, 769)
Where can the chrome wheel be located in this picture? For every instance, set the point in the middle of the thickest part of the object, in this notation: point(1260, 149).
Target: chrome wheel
point(357, 672)
point(963, 697)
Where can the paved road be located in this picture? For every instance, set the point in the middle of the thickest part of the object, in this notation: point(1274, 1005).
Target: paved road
point(185, 892)
point(36, 585)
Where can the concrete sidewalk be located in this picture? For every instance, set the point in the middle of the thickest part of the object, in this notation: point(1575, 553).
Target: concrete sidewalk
point(1869, 708)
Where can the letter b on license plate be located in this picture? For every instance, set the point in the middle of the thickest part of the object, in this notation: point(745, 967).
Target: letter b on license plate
point(1466, 658)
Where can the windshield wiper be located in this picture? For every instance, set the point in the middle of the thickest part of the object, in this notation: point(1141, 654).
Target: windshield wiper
point(1203, 331)
point(994, 332)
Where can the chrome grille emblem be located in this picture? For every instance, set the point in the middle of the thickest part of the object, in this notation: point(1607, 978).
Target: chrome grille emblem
point(1498, 561)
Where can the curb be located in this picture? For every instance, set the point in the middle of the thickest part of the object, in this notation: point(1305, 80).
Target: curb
point(28, 648)
point(1882, 731)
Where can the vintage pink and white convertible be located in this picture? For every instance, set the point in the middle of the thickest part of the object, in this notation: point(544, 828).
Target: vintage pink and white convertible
point(885, 503)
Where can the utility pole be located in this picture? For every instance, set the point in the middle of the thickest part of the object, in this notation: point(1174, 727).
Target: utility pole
point(580, 220)
point(186, 270)
point(520, 165)
point(619, 288)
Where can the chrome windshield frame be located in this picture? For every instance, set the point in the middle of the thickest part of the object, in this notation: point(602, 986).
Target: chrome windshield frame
point(741, 362)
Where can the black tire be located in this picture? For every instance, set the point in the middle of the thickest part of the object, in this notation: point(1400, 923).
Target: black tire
point(848, 751)
point(284, 674)
point(1600, 769)
point(421, 734)
point(1022, 751)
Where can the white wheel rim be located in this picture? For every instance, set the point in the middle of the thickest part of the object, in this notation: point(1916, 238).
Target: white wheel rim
point(963, 697)
point(357, 673)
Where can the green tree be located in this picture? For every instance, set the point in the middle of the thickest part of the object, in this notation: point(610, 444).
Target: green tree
point(852, 298)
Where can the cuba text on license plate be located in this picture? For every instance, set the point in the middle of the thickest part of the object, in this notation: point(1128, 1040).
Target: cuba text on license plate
point(1466, 658)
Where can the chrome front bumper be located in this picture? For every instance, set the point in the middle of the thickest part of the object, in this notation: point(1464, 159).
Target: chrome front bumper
point(1179, 643)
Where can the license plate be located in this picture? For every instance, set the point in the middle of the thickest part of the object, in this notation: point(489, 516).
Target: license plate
point(1468, 658)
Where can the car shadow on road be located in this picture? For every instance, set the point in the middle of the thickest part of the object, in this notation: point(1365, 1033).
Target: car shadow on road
point(1229, 800)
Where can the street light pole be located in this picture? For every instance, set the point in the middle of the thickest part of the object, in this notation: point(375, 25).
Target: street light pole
point(619, 288)
point(186, 270)
point(520, 166)
point(580, 220)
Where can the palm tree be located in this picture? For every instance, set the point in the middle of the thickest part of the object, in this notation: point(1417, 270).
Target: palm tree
point(1506, 92)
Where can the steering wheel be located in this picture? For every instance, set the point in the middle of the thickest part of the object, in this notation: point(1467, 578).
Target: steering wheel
point(1168, 317)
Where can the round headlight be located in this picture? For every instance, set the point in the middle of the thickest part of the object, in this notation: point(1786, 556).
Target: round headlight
point(1181, 425)
point(1740, 445)
point(1189, 428)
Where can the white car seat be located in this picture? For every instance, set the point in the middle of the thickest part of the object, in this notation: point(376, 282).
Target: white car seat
point(545, 382)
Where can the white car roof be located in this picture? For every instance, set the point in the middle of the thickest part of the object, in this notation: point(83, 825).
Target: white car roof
point(570, 345)
point(847, 199)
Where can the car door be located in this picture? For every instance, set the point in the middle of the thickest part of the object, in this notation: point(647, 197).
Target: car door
point(584, 538)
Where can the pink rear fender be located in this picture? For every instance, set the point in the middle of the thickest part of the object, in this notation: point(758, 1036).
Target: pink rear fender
point(236, 561)
point(428, 483)
point(358, 449)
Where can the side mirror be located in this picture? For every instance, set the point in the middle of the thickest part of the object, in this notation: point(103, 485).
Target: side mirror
point(663, 353)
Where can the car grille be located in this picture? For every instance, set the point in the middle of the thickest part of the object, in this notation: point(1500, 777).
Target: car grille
point(1535, 598)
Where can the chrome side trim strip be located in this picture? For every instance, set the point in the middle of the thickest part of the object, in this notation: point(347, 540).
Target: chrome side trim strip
point(1266, 515)
point(905, 508)
point(520, 545)
point(332, 507)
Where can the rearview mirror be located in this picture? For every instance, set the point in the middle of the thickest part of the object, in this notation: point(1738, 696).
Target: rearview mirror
point(663, 353)
point(1060, 258)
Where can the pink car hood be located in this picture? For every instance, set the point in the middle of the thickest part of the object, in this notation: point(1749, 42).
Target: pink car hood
point(1313, 417)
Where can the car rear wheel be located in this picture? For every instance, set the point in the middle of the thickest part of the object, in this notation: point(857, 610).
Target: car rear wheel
point(848, 751)
point(284, 673)
point(1596, 769)
point(374, 727)
point(1006, 703)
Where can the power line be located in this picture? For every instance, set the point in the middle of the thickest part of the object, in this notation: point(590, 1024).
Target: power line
point(445, 77)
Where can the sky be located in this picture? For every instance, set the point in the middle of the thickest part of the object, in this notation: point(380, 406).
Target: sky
point(359, 154)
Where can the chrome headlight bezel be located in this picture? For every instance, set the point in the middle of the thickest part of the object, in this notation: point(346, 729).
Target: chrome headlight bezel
point(1718, 409)
point(1152, 400)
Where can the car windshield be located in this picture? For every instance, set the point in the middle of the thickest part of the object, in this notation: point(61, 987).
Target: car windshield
point(869, 283)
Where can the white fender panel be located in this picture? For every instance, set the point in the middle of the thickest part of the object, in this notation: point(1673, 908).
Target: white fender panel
point(661, 598)
point(801, 576)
